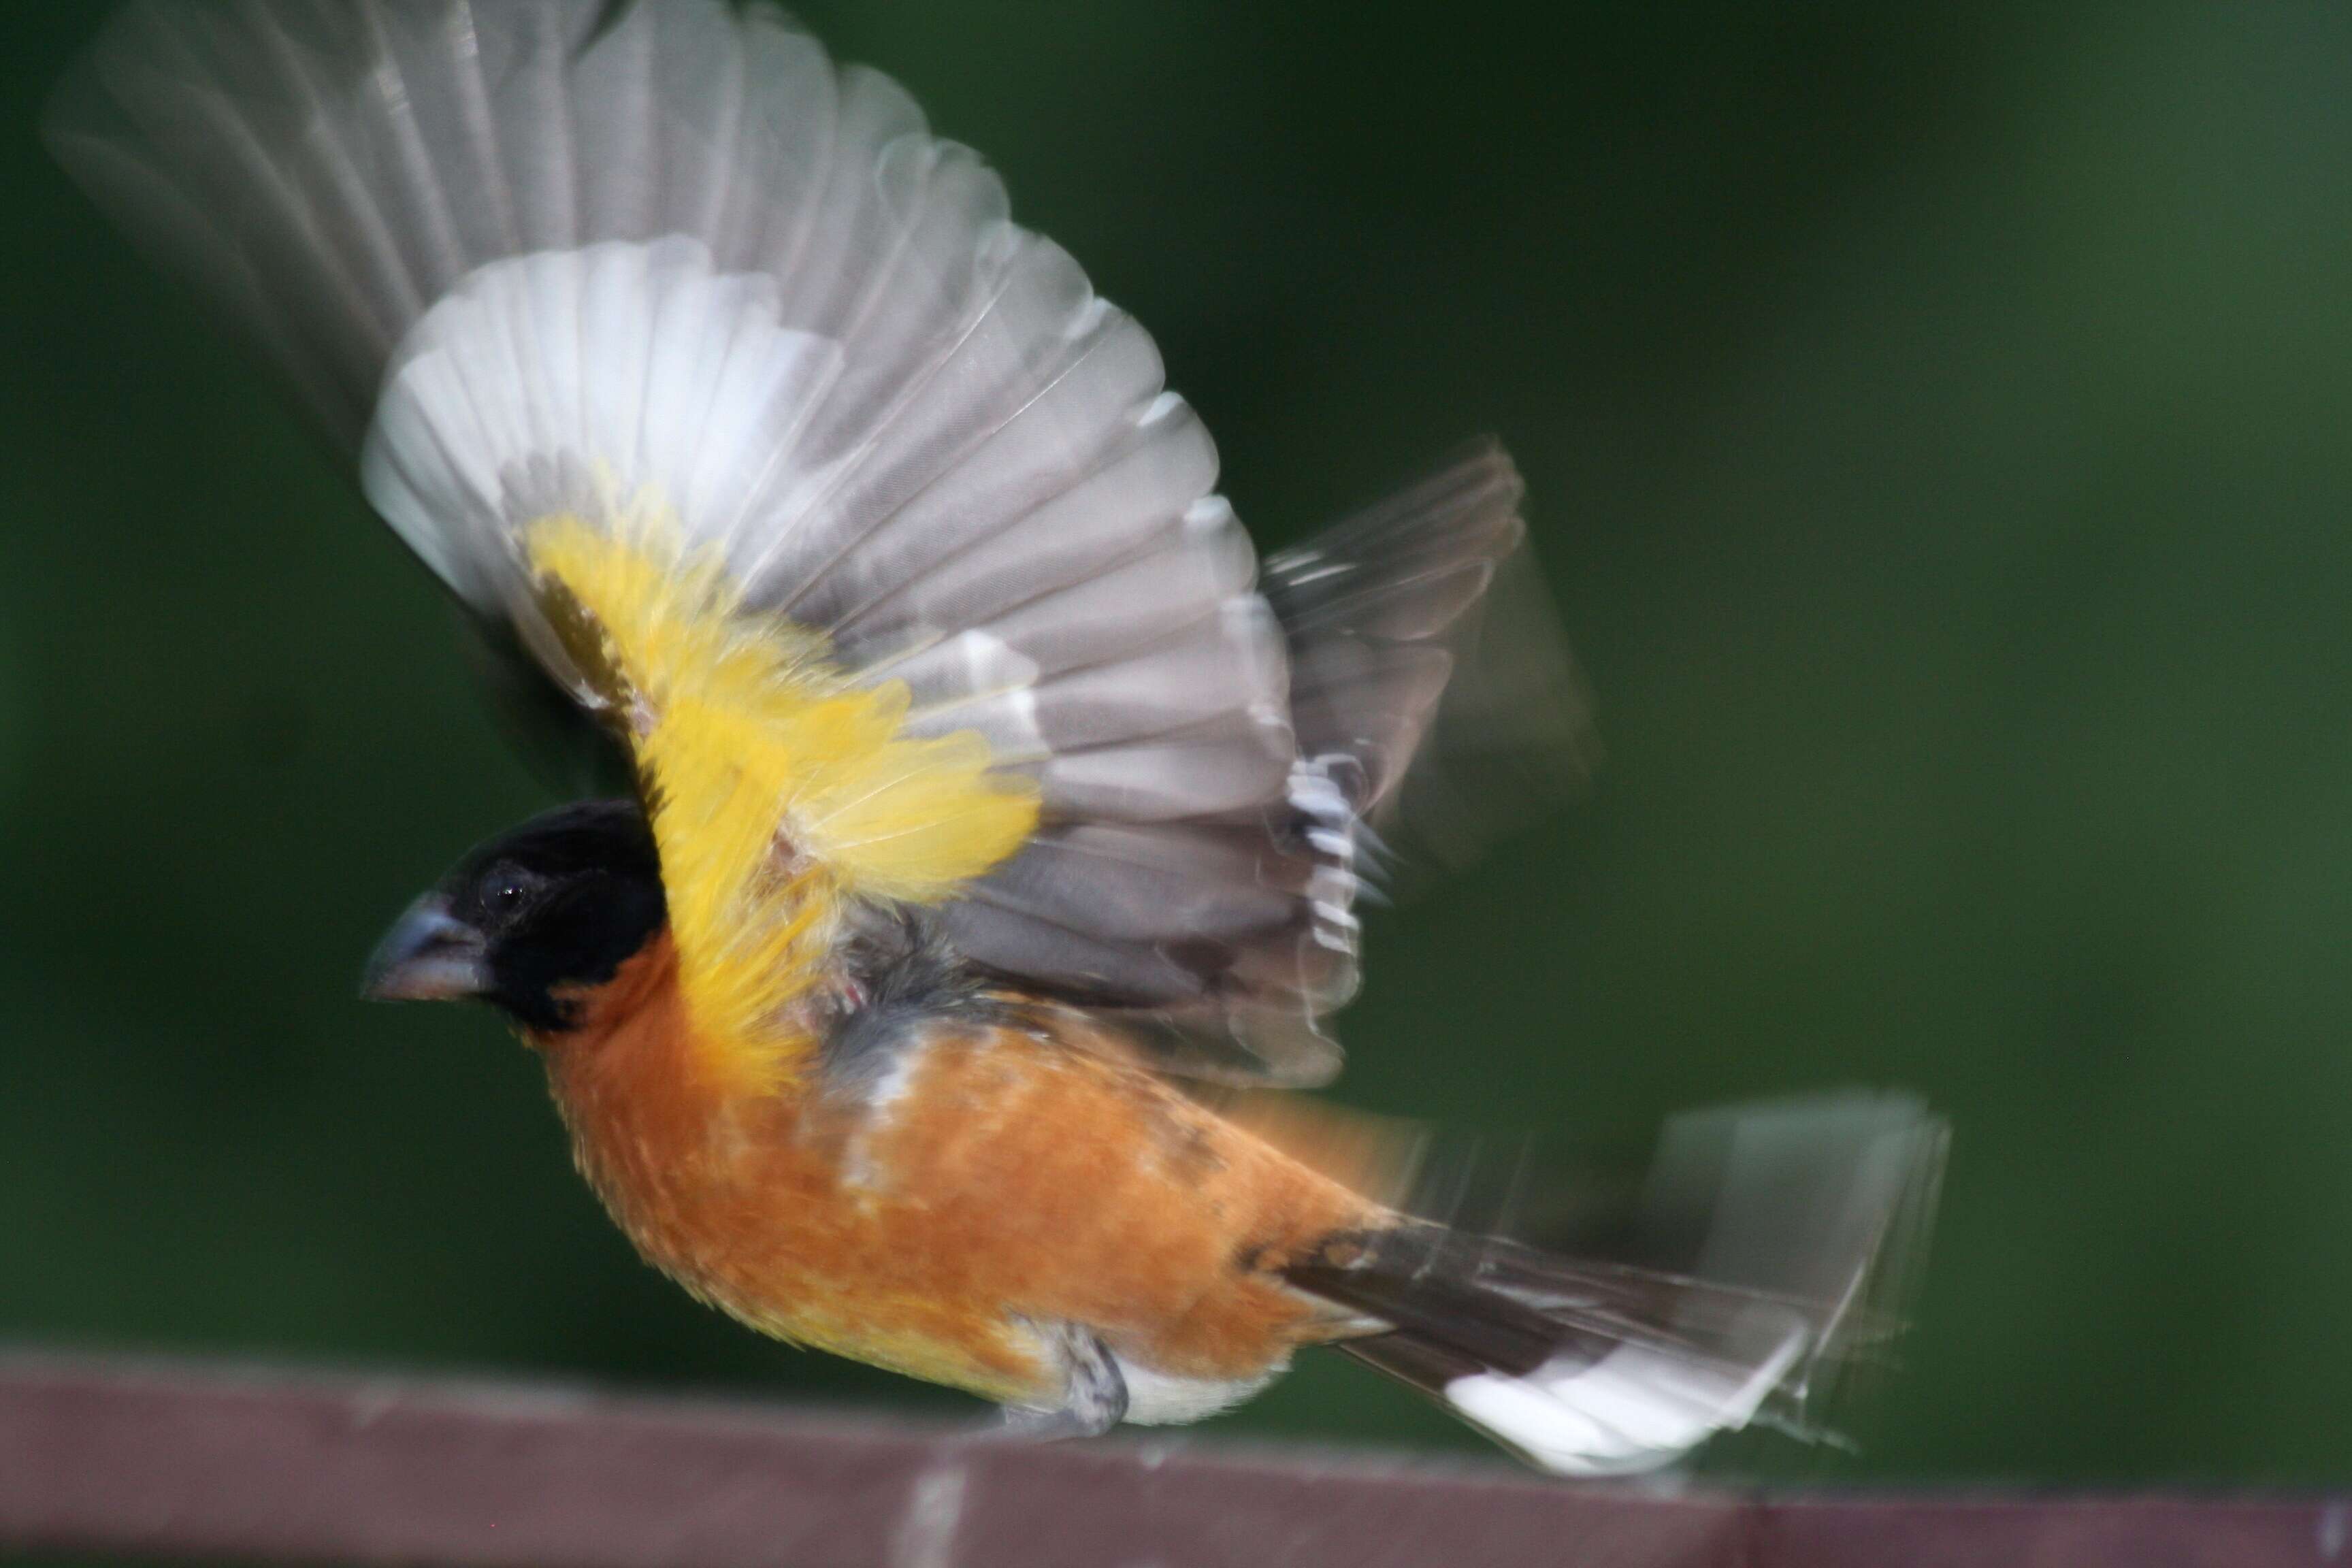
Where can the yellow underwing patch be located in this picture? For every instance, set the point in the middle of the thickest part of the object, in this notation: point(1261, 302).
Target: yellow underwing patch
point(777, 787)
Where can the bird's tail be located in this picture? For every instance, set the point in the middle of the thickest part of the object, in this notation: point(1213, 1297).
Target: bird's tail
point(1788, 1230)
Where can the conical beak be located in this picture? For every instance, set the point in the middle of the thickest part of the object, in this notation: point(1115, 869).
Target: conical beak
point(429, 955)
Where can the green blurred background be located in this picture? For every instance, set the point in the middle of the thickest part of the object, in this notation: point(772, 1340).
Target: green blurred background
point(1937, 425)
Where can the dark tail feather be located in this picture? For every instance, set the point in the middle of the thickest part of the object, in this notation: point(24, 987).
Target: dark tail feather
point(1798, 1221)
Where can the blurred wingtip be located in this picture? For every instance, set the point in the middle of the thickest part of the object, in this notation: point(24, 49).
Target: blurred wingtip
point(1426, 646)
point(1515, 736)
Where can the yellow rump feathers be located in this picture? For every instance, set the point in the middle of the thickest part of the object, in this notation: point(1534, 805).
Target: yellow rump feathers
point(777, 787)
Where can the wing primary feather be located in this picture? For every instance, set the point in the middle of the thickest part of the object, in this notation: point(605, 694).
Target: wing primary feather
point(436, 229)
point(475, 111)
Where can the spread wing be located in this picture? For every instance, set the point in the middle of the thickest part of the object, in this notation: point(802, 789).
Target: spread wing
point(535, 259)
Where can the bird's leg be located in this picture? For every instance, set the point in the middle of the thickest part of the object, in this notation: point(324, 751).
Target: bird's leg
point(1094, 1400)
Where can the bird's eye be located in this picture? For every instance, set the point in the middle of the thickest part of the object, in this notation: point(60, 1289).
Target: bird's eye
point(505, 896)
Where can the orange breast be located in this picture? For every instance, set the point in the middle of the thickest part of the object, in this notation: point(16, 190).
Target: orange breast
point(1012, 1177)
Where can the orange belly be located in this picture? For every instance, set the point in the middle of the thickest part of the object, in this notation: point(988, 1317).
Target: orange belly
point(1010, 1182)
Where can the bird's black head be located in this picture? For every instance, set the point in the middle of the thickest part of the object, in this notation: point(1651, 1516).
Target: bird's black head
point(556, 906)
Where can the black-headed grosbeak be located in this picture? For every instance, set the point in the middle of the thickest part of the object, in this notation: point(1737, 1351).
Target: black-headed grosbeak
point(986, 786)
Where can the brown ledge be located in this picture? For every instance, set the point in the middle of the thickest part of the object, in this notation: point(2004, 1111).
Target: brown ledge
point(177, 1460)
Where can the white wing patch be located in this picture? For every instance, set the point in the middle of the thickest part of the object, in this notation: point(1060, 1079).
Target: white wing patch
point(588, 382)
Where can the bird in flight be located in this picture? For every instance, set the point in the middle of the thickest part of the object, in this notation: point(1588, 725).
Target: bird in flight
point(981, 800)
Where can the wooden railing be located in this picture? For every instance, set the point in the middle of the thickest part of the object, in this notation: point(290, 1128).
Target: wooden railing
point(173, 1461)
